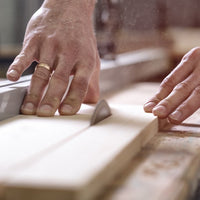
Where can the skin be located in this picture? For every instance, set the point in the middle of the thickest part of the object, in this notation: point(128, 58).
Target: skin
point(179, 93)
point(61, 35)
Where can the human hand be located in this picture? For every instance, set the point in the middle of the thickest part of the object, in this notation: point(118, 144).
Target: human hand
point(60, 34)
point(179, 93)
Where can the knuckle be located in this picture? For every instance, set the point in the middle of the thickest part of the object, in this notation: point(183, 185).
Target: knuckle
point(32, 97)
point(82, 82)
point(60, 76)
point(20, 62)
point(191, 55)
point(20, 58)
point(197, 90)
point(195, 51)
point(91, 62)
point(168, 82)
point(186, 109)
point(98, 62)
point(156, 99)
point(74, 45)
point(183, 86)
point(41, 74)
point(51, 39)
point(166, 103)
point(31, 41)
point(52, 100)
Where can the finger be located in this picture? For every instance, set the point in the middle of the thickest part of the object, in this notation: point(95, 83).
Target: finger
point(177, 96)
point(38, 83)
point(56, 89)
point(37, 86)
point(184, 69)
point(187, 108)
point(22, 61)
point(92, 95)
point(77, 92)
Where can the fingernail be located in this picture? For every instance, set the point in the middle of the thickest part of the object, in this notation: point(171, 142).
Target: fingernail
point(28, 108)
point(160, 111)
point(13, 73)
point(149, 106)
point(176, 115)
point(45, 110)
point(66, 109)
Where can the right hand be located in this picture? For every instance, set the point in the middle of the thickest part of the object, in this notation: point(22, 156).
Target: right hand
point(61, 35)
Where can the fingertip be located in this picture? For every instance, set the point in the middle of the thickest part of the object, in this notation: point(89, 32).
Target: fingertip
point(173, 121)
point(28, 109)
point(160, 111)
point(67, 109)
point(176, 117)
point(45, 111)
point(13, 75)
point(148, 107)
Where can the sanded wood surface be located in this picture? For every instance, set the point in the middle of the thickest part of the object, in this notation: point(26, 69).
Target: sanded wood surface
point(64, 158)
point(24, 139)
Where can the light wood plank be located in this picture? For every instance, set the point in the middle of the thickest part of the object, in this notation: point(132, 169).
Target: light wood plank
point(80, 168)
point(24, 139)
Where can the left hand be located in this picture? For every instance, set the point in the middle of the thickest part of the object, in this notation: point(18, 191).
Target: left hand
point(179, 93)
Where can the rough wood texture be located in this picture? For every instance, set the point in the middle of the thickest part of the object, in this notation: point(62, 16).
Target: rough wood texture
point(168, 166)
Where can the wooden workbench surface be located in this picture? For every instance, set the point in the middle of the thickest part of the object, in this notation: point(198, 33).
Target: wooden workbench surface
point(168, 167)
point(64, 157)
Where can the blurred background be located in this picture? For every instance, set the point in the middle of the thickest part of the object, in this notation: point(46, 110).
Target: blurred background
point(121, 26)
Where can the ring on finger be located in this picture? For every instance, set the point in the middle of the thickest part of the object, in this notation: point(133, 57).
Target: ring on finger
point(44, 65)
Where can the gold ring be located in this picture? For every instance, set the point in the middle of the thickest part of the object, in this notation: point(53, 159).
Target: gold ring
point(44, 66)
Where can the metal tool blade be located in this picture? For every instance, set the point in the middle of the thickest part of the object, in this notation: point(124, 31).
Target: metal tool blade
point(23, 79)
point(11, 98)
point(101, 112)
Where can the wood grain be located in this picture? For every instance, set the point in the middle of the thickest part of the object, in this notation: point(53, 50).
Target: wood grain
point(81, 167)
point(24, 139)
point(168, 167)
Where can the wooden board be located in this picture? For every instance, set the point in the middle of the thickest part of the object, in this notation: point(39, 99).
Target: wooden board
point(63, 158)
point(168, 167)
point(161, 171)
point(24, 139)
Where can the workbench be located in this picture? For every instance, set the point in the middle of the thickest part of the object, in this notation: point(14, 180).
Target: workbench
point(166, 168)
